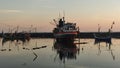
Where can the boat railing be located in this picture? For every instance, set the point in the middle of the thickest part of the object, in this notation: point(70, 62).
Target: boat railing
point(69, 30)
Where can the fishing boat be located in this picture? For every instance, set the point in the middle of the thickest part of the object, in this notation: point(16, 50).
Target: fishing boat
point(16, 36)
point(65, 31)
point(106, 39)
point(103, 37)
point(22, 36)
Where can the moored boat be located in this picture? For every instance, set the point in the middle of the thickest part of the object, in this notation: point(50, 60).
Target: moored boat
point(106, 39)
point(103, 37)
point(65, 31)
point(16, 36)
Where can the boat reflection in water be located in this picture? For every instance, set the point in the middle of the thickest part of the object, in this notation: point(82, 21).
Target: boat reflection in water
point(6, 40)
point(66, 51)
point(108, 48)
point(16, 42)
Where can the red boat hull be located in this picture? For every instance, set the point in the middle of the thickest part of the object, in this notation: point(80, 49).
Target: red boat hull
point(67, 37)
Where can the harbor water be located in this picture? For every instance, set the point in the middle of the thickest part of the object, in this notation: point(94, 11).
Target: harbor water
point(42, 53)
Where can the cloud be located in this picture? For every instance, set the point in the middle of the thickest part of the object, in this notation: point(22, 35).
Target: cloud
point(10, 11)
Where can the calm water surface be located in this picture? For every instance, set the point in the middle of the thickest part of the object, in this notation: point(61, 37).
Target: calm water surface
point(90, 55)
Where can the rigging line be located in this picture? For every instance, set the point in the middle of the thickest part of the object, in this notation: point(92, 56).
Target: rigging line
point(63, 13)
point(52, 24)
point(6, 25)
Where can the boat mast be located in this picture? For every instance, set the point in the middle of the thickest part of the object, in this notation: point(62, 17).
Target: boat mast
point(64, 16)
point(99, 28)
point(111, 26)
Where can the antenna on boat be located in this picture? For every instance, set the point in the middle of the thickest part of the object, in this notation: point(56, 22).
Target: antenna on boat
point(63, 16)
point(17, 29)
point(63, 13)
point(59, 15)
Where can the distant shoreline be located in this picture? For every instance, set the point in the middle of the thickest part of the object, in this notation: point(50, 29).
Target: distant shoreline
point(81, 35)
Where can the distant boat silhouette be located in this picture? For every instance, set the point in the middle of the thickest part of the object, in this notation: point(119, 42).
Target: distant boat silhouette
point(16, 36)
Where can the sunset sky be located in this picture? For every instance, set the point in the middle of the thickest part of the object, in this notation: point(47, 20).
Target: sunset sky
point(86, 13)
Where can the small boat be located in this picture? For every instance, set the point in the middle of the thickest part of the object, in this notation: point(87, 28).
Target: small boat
point(8, 36)
point(16, 36)
point(106, 39)
point(103, 37)
point(65, 31)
